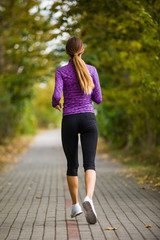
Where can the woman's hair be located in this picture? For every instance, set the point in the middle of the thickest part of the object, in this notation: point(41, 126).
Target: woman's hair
point(75, 45)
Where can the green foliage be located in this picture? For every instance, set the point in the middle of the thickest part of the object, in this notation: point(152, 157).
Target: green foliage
point(24, 61)
point(28, 121)
point(45, 114)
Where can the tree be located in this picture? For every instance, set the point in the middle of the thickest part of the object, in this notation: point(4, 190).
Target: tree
point(25, 32)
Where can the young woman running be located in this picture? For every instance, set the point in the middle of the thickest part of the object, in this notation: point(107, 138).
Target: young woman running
point(80, 85)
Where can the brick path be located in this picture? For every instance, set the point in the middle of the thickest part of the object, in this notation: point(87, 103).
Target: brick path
point(35, 202)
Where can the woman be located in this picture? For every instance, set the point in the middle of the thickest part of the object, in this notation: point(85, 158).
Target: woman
point(80, 85)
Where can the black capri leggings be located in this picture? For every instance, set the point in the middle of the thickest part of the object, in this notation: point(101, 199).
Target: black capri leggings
point(86, 125)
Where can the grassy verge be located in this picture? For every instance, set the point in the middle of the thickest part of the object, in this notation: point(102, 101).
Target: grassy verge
point(11, 147)
point(146, 173)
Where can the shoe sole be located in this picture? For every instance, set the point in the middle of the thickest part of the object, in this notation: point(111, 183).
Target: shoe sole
point(89, 213)
point(76, 214)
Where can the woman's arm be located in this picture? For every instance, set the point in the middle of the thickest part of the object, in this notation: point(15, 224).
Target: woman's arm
point(58, 89)
point(96, 94)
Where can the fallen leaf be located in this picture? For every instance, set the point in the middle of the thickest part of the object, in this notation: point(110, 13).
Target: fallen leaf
point(154, 189)
point(129, 175)
point(148, 226)
point(110, 228)
point(38, 197)
point(141, 182)
point(157, 184)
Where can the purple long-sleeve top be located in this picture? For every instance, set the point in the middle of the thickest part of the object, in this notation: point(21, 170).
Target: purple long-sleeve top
point(75, 100)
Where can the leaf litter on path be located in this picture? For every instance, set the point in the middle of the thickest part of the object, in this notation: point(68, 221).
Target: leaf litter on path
point(112, 228)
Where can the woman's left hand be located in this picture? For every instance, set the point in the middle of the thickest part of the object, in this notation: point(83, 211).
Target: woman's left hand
point(58, 107)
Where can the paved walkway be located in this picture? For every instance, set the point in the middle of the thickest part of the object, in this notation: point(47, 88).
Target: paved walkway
point(35, 202)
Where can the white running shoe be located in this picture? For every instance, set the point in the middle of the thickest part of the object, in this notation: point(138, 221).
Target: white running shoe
point(90, 212)
point(76, 210)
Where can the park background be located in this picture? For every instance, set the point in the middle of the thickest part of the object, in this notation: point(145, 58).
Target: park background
point(121, 39)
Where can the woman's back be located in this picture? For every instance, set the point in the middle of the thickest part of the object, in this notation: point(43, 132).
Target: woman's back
point(75, 100)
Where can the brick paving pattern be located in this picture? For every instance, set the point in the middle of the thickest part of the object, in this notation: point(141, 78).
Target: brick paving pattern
point(35, 203)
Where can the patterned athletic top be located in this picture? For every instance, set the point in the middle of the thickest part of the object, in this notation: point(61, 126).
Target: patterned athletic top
point(75, 101)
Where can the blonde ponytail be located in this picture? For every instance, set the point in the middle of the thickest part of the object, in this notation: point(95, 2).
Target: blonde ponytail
point(74, 48)
point(83, 75)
